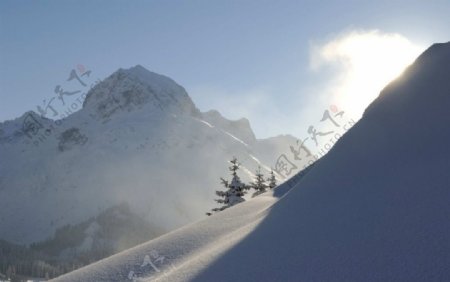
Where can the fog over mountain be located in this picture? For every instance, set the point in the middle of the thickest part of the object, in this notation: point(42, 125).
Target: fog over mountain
point(138, 149)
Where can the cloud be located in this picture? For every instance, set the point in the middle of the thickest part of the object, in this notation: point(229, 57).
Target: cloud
point(347, 70)
point(359, 64)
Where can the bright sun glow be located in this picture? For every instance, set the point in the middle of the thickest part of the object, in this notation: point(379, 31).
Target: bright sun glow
point(367, 62)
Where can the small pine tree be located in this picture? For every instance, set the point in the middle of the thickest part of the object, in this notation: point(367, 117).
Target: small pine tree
point(272, 180)
point(235, 189)
point(260, 183)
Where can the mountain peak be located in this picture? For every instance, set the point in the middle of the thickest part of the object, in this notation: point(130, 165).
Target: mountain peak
point(151, 78)
point(136, 88)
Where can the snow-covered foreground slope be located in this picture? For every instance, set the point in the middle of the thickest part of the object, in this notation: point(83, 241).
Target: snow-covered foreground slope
point(181, 254)
point(376, 208)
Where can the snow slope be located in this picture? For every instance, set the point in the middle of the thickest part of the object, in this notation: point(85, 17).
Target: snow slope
point(375, 208)
point(179, 255)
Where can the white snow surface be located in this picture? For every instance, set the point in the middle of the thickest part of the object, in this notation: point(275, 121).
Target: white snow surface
point(375, 208)
point(185, 252)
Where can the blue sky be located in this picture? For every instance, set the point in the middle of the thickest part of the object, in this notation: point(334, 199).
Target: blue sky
point(243, 58)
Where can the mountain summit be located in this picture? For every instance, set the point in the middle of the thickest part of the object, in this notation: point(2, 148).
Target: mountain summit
point(138, 88)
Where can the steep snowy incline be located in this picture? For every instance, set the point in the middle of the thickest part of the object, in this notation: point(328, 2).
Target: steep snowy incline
point(180, 252)
point(376, 208)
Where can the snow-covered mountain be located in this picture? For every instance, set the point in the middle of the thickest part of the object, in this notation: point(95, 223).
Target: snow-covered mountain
point(139, 140)
point(375, 208)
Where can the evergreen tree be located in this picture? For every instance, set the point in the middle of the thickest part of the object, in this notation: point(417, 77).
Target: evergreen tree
point(260, 183)
point(272, 180)
point(235, 189)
